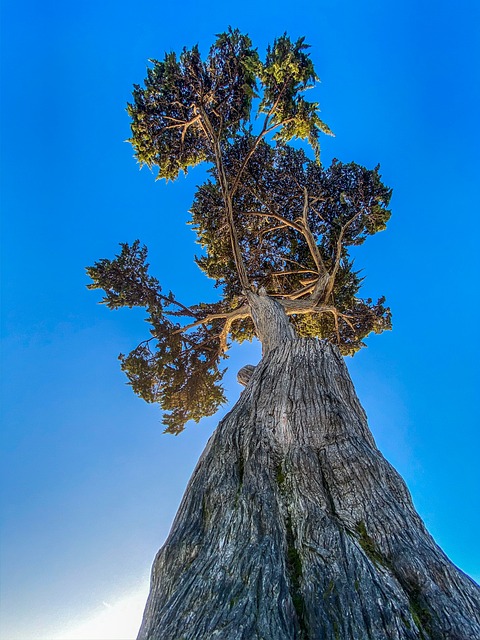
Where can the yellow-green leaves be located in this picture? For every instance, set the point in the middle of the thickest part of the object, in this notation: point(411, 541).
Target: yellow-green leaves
point(188, 104)
point(287, 73)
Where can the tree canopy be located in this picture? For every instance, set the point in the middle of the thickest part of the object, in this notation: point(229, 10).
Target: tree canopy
point(268, 217)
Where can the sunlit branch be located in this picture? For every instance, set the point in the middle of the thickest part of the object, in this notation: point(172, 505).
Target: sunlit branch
point(338, 254)
point(309, 237)
point(236, 314)
point(275, 216)
point(291, 273)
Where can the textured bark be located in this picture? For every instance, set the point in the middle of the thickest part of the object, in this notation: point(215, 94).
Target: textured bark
point(294, 526)
point(271, 322)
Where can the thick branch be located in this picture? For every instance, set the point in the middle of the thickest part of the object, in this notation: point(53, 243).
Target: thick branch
point(290, 307)
point(237, 253)
point(236, 314)
point(310, 238)
point(307, 306)
point(290, 273)
point(227, 198)
point(271, 322)
point(321, 288)
point(302, 226)
point(338, 255)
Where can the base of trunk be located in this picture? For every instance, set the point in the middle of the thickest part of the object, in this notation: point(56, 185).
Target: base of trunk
point(294, 526)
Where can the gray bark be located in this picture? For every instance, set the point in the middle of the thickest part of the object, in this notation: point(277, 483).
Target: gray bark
point(294, 526)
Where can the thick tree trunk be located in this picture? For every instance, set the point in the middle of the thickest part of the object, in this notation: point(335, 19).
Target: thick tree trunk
point(294, 527)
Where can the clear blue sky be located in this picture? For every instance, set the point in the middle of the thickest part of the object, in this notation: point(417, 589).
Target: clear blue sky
point(90, 485)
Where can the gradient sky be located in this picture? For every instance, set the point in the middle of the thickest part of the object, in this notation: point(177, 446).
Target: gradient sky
point(89, 483)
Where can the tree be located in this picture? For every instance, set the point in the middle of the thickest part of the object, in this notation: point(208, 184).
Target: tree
point(293, 524)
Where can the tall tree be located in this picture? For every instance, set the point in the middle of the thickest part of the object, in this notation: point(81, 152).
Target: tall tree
point(293, 524)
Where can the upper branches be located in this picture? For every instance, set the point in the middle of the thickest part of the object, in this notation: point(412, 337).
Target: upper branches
point(187, 106)
point(191, 109)
point(268, 216)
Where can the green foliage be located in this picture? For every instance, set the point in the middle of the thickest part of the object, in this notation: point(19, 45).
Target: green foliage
point(125, 280)
point(364, 317)
point(269, 216)
point(179, 370)
point(185, 98)
point(288, 71)
point(186, 102)
point(268, 205)
point(346, 204)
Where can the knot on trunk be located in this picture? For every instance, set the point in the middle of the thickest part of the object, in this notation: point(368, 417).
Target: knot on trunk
point(245, 373)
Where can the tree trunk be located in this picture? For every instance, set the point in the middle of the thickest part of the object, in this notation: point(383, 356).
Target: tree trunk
point(294, 526)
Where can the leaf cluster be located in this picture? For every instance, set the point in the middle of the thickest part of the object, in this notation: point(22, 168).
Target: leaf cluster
point(179, 370)
point(168, 114)
point(288, 71)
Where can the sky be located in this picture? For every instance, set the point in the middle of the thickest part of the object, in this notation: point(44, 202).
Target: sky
point(89, 483)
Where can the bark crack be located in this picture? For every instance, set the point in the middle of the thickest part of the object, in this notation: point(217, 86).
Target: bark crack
point(295, 573)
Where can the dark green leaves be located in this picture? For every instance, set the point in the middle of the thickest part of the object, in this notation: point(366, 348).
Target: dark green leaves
point(125, 280)
point(355, 201)
point(165, 120)
point(345, 203)
point(188, 104)
point(181, 374)
point(176, 368)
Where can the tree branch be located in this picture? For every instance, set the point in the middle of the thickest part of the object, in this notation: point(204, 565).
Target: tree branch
point(265, 129)
point(310, 238)
point(270, 229)
point(235, 314)
point(291, 306)
point(275, 216)
point(227, 198)
point(187, 310)
point(291, 273)
point(338, 255)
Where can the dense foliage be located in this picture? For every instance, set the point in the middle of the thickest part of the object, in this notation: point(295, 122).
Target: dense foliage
point(269, 217)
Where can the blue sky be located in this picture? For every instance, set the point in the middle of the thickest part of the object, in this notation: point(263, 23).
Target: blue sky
point(89, 483)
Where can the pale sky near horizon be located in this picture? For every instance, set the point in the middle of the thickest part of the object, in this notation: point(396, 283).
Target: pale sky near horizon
point(89, 484)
